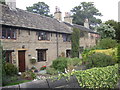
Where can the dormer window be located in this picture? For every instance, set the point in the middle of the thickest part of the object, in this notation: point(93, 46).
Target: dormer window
point(43, 36)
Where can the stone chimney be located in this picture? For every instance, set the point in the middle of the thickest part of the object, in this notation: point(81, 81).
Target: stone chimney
point(68, 18)
point(11, 4)
point(57, 14)
point(86, 23)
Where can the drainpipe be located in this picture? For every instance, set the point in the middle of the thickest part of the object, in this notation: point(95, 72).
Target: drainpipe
point(57, 43)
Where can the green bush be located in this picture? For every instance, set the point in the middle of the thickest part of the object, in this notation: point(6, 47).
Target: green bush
point(107, 43)
point(99, 60)
point(29, 75)
point(106, 77)
point(9, 79)
point(118, 53)
point(33, 61)
point(118, 56)
point(51, 71)
point(60, 64)
point(10, 69)
point(102, 77)
point(74, 61)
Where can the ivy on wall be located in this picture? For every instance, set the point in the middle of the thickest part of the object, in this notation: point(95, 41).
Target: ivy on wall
point(75, 42)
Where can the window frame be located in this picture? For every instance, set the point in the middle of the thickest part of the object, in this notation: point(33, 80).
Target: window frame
point(66, 38)
point(8, 55)
point(41, 55)
point(8, 33)
point(44, 37)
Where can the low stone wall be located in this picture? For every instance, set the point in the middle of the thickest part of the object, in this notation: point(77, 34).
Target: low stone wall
point(47, 83)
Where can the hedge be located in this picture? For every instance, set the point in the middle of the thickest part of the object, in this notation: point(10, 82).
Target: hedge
point(103, 77)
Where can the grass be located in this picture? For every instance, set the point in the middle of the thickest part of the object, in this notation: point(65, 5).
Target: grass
point(17, 82)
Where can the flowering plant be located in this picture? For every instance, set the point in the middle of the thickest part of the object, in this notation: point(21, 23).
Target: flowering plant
point(43, 68)
point(33, 60)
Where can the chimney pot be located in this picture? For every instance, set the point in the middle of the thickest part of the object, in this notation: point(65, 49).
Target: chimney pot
point(11, 4)
point(86, 23)
point(68, 18)
point(57, 14)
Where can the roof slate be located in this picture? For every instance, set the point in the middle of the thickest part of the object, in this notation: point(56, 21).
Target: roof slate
point(22, 18)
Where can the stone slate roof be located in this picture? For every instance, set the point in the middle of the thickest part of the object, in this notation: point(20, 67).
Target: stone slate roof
point(82, 28)
point(21, 18)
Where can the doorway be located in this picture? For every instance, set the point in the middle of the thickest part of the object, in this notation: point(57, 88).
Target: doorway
point(21, 61)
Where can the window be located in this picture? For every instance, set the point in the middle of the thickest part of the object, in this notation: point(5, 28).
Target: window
point(8, 33)
point(8, 55)
point(81, 49)
point(68, 53)
point(82, 34)
point(43, 36)
point(66, 38)
point(41, 55)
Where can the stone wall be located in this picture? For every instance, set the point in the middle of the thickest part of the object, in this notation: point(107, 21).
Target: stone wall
point(29, 39)
point(31, 43)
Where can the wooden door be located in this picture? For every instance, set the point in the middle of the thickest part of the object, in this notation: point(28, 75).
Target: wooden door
point(21, 58)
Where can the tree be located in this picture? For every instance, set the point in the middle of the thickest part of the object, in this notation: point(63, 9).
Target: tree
point(106, 31)
point(86, 10)
point(116, 26)
point(2, 1)
point(40, 8)
point(75, 42)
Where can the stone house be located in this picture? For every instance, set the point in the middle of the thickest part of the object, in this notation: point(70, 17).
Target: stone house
point(25, 35)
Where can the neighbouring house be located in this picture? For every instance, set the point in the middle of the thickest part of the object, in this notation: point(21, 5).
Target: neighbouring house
point(25, 35)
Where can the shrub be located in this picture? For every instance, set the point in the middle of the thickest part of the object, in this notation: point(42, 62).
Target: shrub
point(111, 52)
point(107, 43)
point(99, 60)
point(9, 79)
point(102, 77)
point(118, 56)
point(10, 69)
point(33, 61)
point(51, 71)
point(74, 61)
point(60, 64)
point(28, 75)
point(106, 77)
point(118, 53)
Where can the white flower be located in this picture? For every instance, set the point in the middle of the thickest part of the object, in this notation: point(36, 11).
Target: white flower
point(33, 58)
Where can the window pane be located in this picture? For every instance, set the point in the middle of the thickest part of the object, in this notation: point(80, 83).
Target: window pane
point(43, 36)
point(13, 34)
point(64, 38)
point(41, 55)
point(8, 34)
point(8, 56)
point(4, 33)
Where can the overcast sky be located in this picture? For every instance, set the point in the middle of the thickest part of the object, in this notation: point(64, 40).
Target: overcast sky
point(108, 8)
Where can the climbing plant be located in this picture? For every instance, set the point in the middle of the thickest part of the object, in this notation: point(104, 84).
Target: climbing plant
point(75, 42)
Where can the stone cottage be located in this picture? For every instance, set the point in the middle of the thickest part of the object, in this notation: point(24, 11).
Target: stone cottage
point(25, 35)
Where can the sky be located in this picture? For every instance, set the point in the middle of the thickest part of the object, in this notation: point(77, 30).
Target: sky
point(108, 8)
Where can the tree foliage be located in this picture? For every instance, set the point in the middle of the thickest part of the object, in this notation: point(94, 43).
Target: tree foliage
point(116, 26)
point(75, 42)
point(106, 31)
point(86, 10)
point(2, 1)
point(39, 8)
